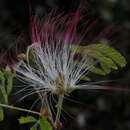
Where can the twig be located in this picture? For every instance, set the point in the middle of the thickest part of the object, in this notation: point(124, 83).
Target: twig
point(19, 109)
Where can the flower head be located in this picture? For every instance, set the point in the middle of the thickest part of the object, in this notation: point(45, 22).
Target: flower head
point(52, 62)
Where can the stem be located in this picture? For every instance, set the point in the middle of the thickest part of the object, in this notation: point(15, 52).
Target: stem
point(19, 109)
point(59, 107)
point(48, 108)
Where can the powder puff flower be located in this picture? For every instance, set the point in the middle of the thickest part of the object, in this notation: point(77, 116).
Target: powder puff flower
point(53, 55)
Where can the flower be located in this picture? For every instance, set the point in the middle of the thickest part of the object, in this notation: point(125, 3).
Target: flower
point(52, 63)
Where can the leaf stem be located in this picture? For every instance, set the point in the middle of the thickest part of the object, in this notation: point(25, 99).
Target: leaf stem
point(20, 109)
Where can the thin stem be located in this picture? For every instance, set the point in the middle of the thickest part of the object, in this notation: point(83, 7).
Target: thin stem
point(20, 109)
point(48, 108)
point(59, 107)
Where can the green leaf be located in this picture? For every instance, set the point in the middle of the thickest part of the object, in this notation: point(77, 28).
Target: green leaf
point(9, 80)
point(28, 119)
point(33, 128)
point(111, 53)
point(105, 67)
point(6, 81)
point(86, 78)
point(108, 58)
point(3, 93)
point(97, 70)
point(44, 124)
point(1, 114)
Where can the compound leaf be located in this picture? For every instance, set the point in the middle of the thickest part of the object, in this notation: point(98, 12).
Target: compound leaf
point(107, 57)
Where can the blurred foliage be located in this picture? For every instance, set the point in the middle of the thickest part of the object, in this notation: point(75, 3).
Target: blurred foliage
point(43, 123)
point(6, 84)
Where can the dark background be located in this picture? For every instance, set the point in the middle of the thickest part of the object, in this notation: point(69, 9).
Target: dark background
point(87, 110)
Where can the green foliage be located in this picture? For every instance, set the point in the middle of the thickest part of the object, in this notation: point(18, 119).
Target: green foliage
point(42, 123)
point(1, 114)
point(3, 93)
point(33, 128)
point(6, 83)
point(104, 55)
point(86, 78)
point(9, 80)
point(27, 119)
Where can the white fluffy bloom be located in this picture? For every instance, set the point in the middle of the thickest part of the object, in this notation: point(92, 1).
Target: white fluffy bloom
point(55, 65)
point(54, 71)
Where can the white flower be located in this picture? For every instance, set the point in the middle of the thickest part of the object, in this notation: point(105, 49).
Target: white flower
point(55, 65)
